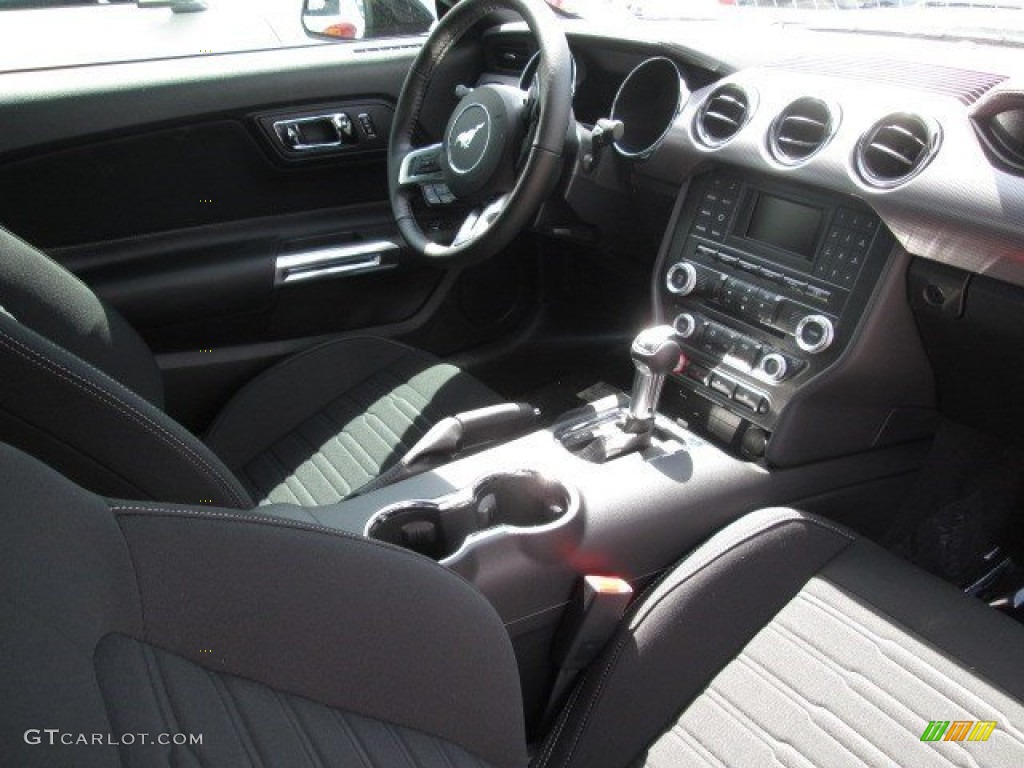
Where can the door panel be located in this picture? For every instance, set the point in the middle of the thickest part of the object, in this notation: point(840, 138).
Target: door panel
point(160, 185)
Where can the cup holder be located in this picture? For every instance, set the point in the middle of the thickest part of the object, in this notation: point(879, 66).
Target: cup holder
point(439, 528)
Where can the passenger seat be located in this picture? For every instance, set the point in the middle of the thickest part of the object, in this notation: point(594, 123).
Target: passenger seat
point(782, 640)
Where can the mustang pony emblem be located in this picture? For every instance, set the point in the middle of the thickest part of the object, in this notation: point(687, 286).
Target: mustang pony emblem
point(464, 139)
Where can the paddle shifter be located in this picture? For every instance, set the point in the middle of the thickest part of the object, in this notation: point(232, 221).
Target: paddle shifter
point(655, 353)
point(599, 434)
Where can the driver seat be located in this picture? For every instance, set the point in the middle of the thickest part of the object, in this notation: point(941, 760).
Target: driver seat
point(82, 392)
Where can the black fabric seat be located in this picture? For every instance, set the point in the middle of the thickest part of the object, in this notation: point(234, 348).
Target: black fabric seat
point(786, 640)
point(783, 640)
point(82, 392)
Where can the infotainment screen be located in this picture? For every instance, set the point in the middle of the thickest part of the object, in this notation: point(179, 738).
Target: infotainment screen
point(784, 224)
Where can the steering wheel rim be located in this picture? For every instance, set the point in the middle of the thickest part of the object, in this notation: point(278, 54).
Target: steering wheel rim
point(513, 203)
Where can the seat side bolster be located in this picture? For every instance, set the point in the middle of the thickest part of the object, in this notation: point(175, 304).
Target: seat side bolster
point(66, 412)
point(684, 630)
point(339, 619)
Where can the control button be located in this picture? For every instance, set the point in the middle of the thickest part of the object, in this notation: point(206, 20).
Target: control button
point(789, 316)
point(748, 398)
point(723, 423)
point(818, 294)
point(844, 217)
point(721, 385)
point(793, 284)
point(367, 124)
point(771, 274)
point(861, 242)
point(716, 339)
point(746, 351)
point(717, 231)
point(865, 221)
point(732, 293)
point(747, 266)
point(701, 228)
point(729, 261)
point(774, 367)
point(707, 282)
point(430, 194)
point(814, 333)
point(707, 253)
point(685, 325)
point(697, 373)
point(681, 278)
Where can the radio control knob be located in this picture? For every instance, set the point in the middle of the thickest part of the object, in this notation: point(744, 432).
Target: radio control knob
point(681, 278)
point(685, 325)
point(814, 334)
point(774, 367)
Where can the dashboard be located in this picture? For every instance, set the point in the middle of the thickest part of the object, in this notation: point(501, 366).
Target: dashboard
point(831, 205)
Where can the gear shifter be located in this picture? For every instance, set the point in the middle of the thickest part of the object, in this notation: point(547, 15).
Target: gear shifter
point(655, 353)
point(600, 436)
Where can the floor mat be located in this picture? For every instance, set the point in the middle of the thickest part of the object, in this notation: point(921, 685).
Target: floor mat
point(964, 517)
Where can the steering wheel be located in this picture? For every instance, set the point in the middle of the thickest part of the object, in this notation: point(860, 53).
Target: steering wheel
point(502, 147)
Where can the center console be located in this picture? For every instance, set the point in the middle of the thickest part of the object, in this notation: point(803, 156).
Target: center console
point(765, 283)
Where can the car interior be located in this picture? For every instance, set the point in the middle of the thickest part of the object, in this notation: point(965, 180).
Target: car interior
point(535, 392)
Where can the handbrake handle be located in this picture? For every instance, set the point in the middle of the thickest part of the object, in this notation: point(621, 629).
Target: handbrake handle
point(458, 434)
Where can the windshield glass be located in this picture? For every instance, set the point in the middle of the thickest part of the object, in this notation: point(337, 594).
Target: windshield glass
point(988, 20)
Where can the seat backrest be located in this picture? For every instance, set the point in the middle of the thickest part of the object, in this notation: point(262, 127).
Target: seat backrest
point(81, 391)
point(274, 641)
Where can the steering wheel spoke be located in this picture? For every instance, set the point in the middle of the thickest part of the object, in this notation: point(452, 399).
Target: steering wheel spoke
point(497, 146)
point(479, 220)
point(421, 166)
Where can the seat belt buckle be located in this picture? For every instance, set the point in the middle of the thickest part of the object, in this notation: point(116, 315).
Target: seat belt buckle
point(594, 613)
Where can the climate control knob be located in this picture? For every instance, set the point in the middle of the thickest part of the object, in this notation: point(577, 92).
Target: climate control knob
point(774, 367)
point(685, 325)
point(681, 278)
point(814, 334)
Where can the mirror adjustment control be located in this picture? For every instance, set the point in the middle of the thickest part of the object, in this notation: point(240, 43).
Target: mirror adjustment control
point(681, 278)
point(814, 334)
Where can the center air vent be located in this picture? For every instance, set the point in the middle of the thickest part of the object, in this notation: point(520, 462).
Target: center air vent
point(895, 148)
point(722, 115)
point(803, 128)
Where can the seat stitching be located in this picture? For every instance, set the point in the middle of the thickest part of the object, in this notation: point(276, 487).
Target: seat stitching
point(111, 399)
point(235, 716)
point(441, 749)
point(322, 454)
point(879, 642)
point(695, 744)
point(158, 685)
point(396, 735)
point(322, 759)
point(357, 745)
point(300, 735)
point(736, 714)
point(724, 549)
point(773, 680)
point(288, 478)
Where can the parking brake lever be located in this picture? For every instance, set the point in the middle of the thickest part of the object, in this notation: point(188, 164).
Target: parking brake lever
point(455, 435)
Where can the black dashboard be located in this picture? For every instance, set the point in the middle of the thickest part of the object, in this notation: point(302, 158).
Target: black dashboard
point(831, 207)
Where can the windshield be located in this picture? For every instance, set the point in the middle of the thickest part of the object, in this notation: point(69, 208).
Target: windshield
point(988, 20)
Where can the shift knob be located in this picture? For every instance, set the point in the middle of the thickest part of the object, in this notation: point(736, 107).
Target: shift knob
point(655, 353)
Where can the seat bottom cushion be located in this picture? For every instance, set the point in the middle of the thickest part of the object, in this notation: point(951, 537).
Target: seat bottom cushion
point(320, 425)
point(210, 718)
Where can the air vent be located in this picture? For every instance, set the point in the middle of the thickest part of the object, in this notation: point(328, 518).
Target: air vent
point(802, 128)
point(722, 115)
point(1003, 133)
point(896, 148)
